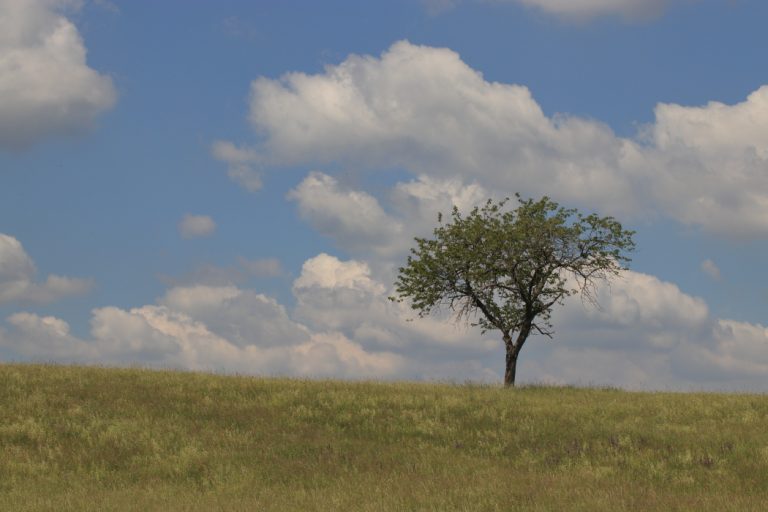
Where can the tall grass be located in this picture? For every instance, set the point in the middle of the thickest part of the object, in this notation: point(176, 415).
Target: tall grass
point(107, 439)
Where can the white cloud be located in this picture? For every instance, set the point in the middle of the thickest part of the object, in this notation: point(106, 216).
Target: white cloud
point(711, 269)
point(717, 128)
point(329, 352)
point(424, 110)
point(355, 219)
point(357, 222)
point(196, 226)
point(741, 349)
point(730, 356)
point(17, 277)
point(46, 337)
point(641, 299)
point(335, 295)
point(582, 10)
point(15, 264)
point(146, 334)
point(202, 328)
point(647, 334)
point(242, 317)
point(464, 139)
point(710, 164)
point(46, 87)
point(241, 162)
point(231, 329)
point(424, 196)
point(327, 271)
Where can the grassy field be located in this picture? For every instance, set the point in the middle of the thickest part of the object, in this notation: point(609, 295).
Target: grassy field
point(108, 439)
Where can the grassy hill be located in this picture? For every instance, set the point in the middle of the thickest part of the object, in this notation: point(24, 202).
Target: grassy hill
point(111, 439)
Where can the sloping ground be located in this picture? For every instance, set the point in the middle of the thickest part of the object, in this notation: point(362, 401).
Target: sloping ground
point(112, 439)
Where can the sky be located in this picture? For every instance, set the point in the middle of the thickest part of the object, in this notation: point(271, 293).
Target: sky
point(231, 186)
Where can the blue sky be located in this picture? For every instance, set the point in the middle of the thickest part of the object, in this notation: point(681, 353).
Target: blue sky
point(230, 185)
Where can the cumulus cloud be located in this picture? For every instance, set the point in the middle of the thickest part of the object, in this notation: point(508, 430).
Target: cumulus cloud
point(242, 317)
point(17, 277)
point(711, 164)
point(740, 349)
point(46, 87)
point(637, 312)
point(329, 272)
point(424, 110)
point(332, 294)
point(358, 222)
point(354, 218)
point(196, 226)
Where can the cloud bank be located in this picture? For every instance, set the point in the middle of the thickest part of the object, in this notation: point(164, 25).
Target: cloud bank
point(647, 334)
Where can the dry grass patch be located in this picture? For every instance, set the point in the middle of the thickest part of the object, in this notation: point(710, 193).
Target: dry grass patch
point(107, 439)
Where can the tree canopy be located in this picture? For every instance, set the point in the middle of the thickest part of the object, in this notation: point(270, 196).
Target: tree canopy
point(505, 270)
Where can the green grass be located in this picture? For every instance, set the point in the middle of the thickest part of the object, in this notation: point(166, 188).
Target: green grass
point(107, 439)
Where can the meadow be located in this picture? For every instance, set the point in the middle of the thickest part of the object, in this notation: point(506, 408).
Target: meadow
point(82, 438)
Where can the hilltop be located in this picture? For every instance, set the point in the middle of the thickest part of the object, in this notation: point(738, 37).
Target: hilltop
point(75, 438)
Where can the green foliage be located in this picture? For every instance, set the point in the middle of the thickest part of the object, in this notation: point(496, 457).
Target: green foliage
point(81, 439)
point(505, 270)
point(512, 265)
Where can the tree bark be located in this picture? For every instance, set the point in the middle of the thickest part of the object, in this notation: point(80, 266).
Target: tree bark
point(509, 373)
point(513, 349)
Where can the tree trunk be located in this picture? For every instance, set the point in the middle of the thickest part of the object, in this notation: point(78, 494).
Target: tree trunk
point(513, 349)
point(509, 373)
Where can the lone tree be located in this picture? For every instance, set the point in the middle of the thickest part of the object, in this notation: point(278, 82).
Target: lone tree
point(506, 270)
